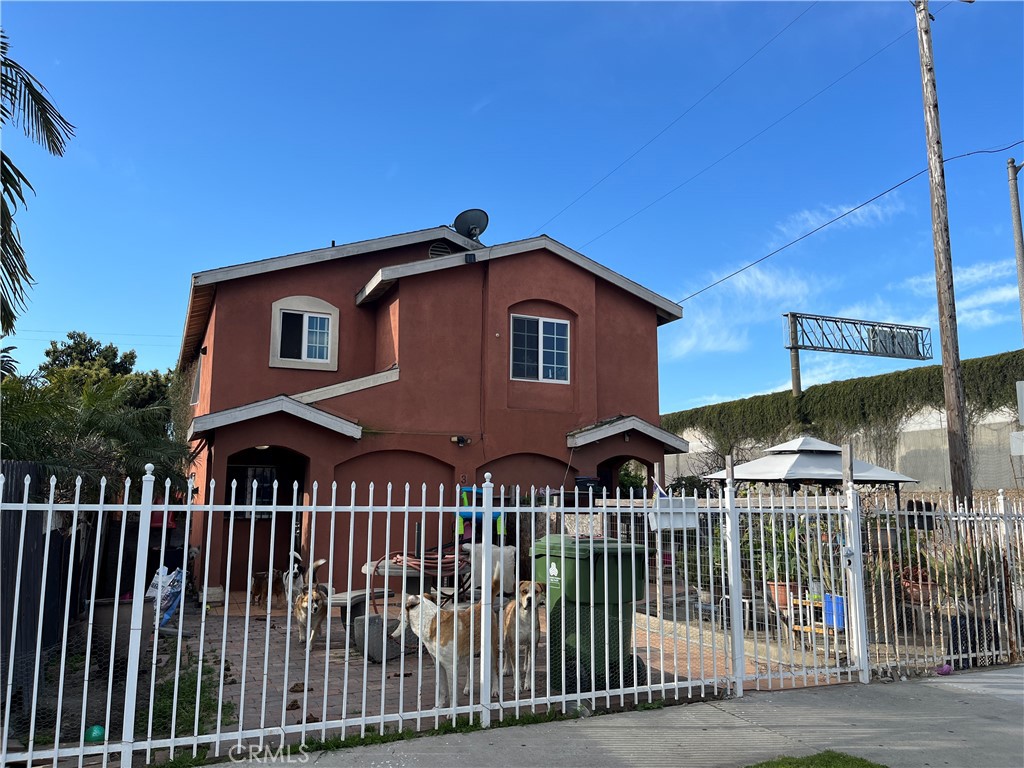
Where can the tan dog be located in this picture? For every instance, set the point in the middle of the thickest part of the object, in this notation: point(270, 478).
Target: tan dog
point(520, 629)
point(310, 612)
point(311, 606)
point(451, 638)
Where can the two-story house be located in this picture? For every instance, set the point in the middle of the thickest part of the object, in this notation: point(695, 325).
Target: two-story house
point(424, 357)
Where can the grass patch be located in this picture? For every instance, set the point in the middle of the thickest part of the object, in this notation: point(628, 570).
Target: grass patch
point(391, 733)
point(659, 704)
point(186, 760)
point(461, 725)
point(187, 682)
point(827, 759)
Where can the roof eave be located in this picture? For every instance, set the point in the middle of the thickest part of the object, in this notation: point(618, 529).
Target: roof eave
point(202, 425)
point(672, 442)
point(204, 283)
point(666, 309)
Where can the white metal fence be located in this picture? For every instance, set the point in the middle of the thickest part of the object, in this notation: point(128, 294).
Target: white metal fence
point(944, 584)
point(621, 601)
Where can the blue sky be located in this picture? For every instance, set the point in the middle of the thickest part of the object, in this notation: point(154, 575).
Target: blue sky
point(210, 134)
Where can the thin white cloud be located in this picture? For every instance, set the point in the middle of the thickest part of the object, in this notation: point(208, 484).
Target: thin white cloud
point(979, 274)
point(873, 215)
point(881, 311)
point(982, 318)
point(921, 285)
point(963, 277)
point(768, 285)
point(825, 367)
point(708, 331)
point(725, 320)
point(999, 295)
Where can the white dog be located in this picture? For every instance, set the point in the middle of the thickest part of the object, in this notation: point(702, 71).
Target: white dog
point(446, 634)
point(505, 569)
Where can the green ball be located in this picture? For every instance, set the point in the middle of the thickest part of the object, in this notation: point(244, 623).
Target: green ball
point(94, 734)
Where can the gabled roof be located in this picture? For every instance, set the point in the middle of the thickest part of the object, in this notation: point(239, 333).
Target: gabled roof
point(809, 460)
point(620, 424)
point(804, 445)
point(204, 283)
point(381, 282)
point(279, 404)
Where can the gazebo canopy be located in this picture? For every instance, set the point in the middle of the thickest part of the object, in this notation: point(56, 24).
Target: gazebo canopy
point(808, 460)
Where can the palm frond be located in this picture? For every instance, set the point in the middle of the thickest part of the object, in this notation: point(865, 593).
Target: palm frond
point(26, 102)
point(8, 365)
point(14, 275)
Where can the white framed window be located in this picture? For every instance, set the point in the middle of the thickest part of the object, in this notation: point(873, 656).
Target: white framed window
point(304, 334)
point(540, 349)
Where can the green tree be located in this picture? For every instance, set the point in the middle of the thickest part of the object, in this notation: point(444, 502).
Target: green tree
point(632, 475)
point(82, 360)
point(93, 432)
point(87, 413)
point(83, 351)
point(23, 101)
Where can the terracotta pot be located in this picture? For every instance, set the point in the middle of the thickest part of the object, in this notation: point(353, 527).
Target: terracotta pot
point(780, 592)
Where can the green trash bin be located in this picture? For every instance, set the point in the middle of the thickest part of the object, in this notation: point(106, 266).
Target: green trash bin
point(591, 585)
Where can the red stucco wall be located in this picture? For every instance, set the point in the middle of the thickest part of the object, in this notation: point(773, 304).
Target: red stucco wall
point(450, 336)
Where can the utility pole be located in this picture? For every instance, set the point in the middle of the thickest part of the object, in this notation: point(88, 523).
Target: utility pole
point(952, 379)
point(794, 354)
point(1018, 235)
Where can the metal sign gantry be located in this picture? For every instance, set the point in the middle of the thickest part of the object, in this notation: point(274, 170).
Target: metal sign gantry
point(821, 333)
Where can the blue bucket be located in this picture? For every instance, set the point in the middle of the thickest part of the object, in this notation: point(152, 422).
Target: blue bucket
point(835, 611)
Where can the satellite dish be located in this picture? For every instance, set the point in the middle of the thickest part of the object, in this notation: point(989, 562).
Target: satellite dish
point(471, 223)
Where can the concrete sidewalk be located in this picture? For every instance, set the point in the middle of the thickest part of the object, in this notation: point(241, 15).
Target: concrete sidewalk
point(969, 719)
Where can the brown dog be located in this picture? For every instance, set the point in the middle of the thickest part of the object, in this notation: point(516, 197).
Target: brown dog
point(520, 628)
point(266, 587)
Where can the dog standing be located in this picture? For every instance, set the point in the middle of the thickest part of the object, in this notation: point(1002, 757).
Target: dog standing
point(266, 586)
point(521, 632)
point(446, 634)
point(311, 605)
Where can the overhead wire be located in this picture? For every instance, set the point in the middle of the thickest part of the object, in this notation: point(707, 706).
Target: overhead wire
point(757, 135)
point(660, 133)
point(736, 148)
point(843, 215)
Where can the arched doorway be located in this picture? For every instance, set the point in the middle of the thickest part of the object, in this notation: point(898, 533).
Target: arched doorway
point(254, 471)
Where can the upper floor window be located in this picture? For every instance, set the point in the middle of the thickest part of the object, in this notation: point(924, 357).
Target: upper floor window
point(540, 349)
point(304, 334)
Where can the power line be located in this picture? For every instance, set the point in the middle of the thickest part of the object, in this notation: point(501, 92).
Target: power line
point(689, 109)
point(104, 333)
point(748, 141)
point(845, 214)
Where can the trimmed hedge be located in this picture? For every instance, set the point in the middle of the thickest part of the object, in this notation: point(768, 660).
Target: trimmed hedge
point(834, 411)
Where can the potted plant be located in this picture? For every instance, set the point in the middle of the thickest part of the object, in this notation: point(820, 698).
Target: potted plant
point(781, 563)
